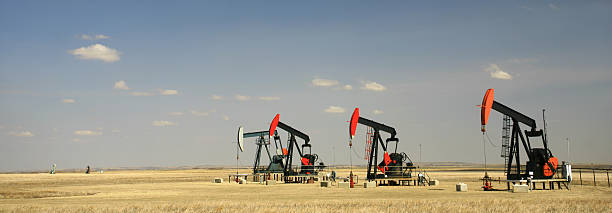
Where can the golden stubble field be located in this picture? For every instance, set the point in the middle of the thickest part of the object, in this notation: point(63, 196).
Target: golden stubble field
point(193, 191)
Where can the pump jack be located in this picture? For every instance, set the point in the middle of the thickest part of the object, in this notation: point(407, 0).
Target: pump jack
point(276, 161)
point(392, 165)
point(541, 161)
point(308, 159)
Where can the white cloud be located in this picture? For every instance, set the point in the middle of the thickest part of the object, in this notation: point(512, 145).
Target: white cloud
point(320, 82)
point(334, 109)
point(347, 87)
point(377, 111)
point(68, 101)
point(96, 52)
point(86, 37)
point(497, 73)
point(22, 134)
point(87, 133)
point(121, 85)
point(164, 123)
point(553, 6)
point(373, 86)
point(176, 113)
point(198, 113)
point(141, 94)
point(168, 92)
point(94, 37)
point(225, 117)
point(269, 98)
point(242, 98)
point(216, 97)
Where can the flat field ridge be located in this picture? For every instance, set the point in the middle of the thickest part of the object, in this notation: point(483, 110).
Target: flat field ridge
point(193, 191)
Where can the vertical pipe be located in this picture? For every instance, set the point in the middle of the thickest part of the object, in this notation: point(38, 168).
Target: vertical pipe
point(594, 183)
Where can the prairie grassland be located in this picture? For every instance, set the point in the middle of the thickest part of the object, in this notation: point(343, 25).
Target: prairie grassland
point(192, 191)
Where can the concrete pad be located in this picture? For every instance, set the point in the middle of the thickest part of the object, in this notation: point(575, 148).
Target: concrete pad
point(434, 182)
point(218, 180)
point(462, 187)
point(346, 185)
point(520, 188)
point(370, 184)
point(270, 182)
point(325, 184)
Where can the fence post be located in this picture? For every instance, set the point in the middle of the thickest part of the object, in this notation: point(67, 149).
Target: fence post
point(580, 172)
point(594, 183)
point(608, 174)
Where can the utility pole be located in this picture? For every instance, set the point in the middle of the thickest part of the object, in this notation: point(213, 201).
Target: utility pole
point(420, 159)
point(569, 159)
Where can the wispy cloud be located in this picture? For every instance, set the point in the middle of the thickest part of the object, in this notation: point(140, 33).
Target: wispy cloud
point(216, 97)
point(373, 86)
point(377, 112)
point(269, 98)
point(176, 113)
point(497, 73)
point(199, 113)
point(242, 97)
point(22, 134)
point(320, 82)
point(87, 133)
point(168, 92)
point(334, 109)
point(68, 101)
point(93, 37)
point(121, 85)
point(347, 87)
point(164, 123)
point(141, 94)
point(96, 52)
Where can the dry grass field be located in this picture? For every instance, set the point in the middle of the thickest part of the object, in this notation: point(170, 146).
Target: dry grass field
point(193, 191)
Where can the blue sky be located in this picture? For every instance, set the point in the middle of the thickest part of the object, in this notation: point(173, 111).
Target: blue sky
point(119, 83)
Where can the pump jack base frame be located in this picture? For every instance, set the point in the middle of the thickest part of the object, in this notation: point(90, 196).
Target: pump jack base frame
point(561, 183)
point(396, 181)
point(300, 178)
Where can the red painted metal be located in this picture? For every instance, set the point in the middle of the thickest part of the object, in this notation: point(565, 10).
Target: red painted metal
point(305, 161)
point(354, 120)
point(554, 162)
point(274, 124)
point(485, 108)
point(386, 161)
